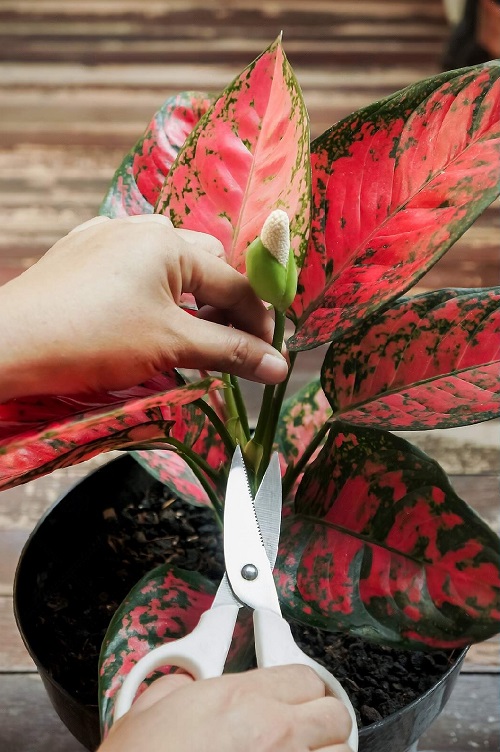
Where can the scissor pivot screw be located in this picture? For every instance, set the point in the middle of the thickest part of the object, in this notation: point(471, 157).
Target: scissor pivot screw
point(249, 572)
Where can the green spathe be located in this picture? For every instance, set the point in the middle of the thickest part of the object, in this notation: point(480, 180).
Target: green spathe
point(270, 266)
point(272, 282)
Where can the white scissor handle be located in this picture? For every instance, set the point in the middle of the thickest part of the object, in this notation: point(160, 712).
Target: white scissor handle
point(275, 646)
point(202, 653)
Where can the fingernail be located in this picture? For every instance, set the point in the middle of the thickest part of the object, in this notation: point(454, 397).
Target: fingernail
point(272, 369)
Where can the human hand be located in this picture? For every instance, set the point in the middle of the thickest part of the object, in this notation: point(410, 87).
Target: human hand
point(100, 310)
point(282, 709)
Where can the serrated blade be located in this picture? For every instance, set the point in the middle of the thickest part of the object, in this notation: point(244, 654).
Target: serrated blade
point(268, 505)
point(244, 546)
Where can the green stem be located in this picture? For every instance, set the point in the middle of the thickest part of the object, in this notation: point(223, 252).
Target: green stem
point(272, 424)
point(267, 399)
point(218, 425)
point(240, 406)
point(188, 454)
point(229, 396)
point(216, 503)
point(197, 464)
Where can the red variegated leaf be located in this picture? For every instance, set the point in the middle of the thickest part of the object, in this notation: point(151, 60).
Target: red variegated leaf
point(248, 156)
point(394, 186)
point(171, 470)
point(137, 182)
point(432, 361)
point(166, 604)
point(210, 446)
point(301, 417)
point(31, 413)
point(381, 546)
point(34, 452)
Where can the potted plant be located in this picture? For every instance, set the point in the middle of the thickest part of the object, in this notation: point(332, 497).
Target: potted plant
point(375, 542)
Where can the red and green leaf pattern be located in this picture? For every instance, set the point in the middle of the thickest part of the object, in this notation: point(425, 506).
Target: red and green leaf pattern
point(301, 417)
point(165, 605)
point(432, 361)
point(28, 454)
point(137, 182)
point(171, 470)
point(394, 186)
point(248, 156)
point(381, 546)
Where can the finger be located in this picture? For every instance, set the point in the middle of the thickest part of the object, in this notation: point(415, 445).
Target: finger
point(213, 282)
point(212, 347)
point(292, 684)
point(158, 219)
point(159, 689)
point(89, 223)
point(323, 722)
point(203, 241)
point(335, 748)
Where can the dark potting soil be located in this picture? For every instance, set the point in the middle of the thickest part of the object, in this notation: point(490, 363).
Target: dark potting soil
point(76, 607)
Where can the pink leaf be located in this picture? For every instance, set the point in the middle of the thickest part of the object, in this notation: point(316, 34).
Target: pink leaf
point(137, 182)
point(248, 156)
point(394, 186)
point(67, 441)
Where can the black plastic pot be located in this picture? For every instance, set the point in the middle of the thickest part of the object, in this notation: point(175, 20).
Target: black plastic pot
point(59, 548)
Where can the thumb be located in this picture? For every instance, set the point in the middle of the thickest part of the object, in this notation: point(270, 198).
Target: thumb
point(209, 346)
point(159, 689)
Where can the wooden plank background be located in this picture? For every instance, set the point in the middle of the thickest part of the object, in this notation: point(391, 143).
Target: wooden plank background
point(78, 83)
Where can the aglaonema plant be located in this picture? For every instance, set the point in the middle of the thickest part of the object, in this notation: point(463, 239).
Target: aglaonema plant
point(375, 541)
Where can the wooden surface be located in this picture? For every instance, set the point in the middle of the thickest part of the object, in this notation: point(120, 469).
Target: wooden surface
point(78, 83)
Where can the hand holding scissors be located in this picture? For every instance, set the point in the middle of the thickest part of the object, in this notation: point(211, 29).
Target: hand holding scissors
point(251, 535)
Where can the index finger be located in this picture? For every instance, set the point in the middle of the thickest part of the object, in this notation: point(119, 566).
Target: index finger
point(293, 684)
point(214, 283)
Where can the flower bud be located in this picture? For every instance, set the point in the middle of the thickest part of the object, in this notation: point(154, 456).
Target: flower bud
point(271, 267)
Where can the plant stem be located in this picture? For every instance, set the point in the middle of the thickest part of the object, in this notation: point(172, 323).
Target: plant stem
point(215, 398)
point(229, 399)
point(197, 464)
point(216, 503)
point(188, 454)
point(240, 406)
point(267, 399)
point(218, 425)
point(272, 423)
point(293, 472)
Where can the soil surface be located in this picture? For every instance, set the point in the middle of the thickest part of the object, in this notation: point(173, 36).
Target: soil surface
point(74, 612)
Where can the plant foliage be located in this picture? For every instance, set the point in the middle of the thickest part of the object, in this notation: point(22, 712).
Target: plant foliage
point(375, 540)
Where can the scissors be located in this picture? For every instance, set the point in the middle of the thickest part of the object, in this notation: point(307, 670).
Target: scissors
point(251, 536)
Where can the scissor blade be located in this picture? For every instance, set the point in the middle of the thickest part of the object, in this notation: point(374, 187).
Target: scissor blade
point(244, 549)
point(268, 507)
